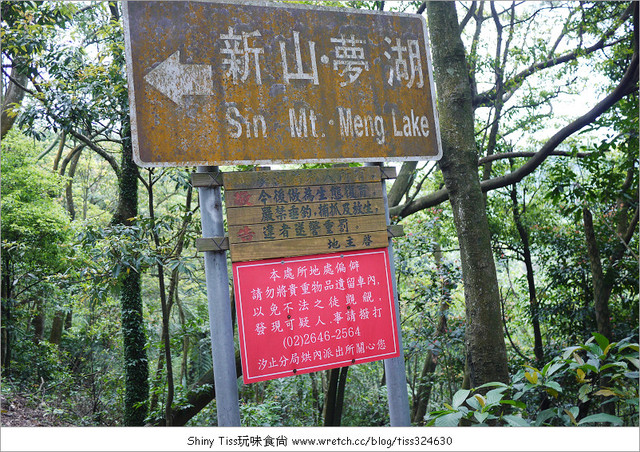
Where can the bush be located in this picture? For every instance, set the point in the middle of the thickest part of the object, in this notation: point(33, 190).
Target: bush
point(569, 390)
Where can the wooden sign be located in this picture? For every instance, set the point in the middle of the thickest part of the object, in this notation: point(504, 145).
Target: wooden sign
point(294, 213)
point(215, 83)
point(305, 314)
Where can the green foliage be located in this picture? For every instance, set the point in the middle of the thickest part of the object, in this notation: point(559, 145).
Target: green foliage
point(568, 390)
point(286, 401)
point(365, 404)
point(34, 225)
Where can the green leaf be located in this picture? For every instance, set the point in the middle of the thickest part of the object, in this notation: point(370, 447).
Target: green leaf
point(493, 384)
point(592, 365)
point(480, 416)
point(473, 403)
point(551, 368)
point(545, 415)
point(448, 420)
point(632, 375)
point(516, 421)
point(459, 397)
point(569, 351)
point(516, 403)
point(554, 385)
point(633, 347)
point(583, 392)
point(633, 360)
point(602, 341)
point(572, 413)
point(594, 349)
point(620, 364)
point(495, 395)
point(601, 417)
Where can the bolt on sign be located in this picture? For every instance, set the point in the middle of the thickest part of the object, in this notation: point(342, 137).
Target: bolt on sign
point(292, 213)
point(214, 83)
point(306, 314)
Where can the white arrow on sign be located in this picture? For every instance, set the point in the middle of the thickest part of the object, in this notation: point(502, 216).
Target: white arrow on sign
point(176, 80)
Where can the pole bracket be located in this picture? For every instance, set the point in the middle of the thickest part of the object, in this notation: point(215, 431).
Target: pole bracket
point(395, 230)
point(388, 172)
point(212, 243)
point(207, 180)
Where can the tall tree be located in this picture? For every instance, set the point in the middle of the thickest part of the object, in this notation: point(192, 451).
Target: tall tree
point(486, 351)
point(134, 338)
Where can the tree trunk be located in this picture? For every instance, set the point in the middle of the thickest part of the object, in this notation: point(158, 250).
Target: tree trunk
point(73, 164)
point(166, 310)
point(486, 350)
point(133, 334)
point(330, 398)
point(13, 95)
point(531, 283)
point(6, 313)
point(600, 292)
point(315, 394)
point(342, 384)
point(38, 320)
point(199, 396)
point(334, 399)
point(156, 383)
point(402, 184)
point(424, 388)
point(56, 327)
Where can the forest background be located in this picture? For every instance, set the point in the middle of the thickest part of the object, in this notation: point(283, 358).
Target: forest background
point(517, 278)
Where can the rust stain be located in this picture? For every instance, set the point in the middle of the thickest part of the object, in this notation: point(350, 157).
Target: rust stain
point(218, 83)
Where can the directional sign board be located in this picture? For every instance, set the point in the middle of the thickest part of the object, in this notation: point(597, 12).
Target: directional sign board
point(213, 83)
point(305, 314)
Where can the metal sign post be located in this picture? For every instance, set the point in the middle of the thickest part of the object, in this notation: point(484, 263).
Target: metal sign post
point(220, 323)
point(397, 395)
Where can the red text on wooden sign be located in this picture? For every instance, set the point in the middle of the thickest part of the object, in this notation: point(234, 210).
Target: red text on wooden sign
point(311, 313)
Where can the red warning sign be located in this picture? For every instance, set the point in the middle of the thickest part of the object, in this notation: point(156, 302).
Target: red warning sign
point(311, 313)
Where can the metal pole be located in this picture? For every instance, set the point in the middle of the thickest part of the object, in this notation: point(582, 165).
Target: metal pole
point(220, 324)
point(394, 368)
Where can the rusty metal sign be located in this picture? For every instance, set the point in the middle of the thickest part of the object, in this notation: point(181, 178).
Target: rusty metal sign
point(213, 83)
point(275, 214)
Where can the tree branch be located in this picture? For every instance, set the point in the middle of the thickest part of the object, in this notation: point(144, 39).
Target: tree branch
point(627, 85)
point(94, 147)
point(468, 16)
point(508, 155)
point(483, 99)
point(402, 183)
point(101, 152)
